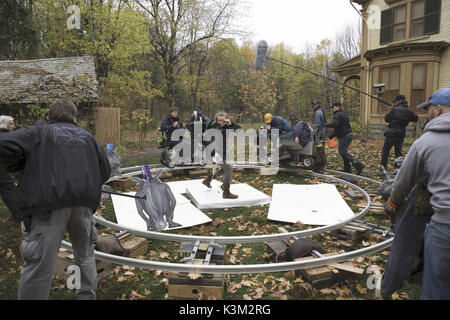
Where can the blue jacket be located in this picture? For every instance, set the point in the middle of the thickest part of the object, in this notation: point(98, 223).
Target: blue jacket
point(282, 125)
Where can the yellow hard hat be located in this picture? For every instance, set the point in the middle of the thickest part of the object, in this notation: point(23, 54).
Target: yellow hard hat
point(268, 118)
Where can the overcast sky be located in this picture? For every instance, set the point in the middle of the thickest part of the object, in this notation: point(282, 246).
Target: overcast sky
point(299, 22)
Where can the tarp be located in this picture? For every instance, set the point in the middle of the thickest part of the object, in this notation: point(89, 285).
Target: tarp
point(205, 198)
point(320, 204)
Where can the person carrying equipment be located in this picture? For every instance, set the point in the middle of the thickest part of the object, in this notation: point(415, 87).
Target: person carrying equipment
point(398, 119)
point(343, 131)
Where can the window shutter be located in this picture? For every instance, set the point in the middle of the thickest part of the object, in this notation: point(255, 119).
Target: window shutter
point(432, 16)
point(386, 26)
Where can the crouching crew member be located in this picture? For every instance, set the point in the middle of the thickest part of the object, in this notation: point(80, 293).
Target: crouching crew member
point(343, 131)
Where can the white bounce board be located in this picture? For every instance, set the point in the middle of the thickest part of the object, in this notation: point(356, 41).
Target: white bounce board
point(320, 204)
point(127, 215)
point(178, 188)
point(205, 198)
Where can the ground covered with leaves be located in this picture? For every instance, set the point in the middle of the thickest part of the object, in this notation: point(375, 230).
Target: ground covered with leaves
point(132, 283)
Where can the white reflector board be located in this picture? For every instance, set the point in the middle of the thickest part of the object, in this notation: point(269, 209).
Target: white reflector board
point(320, 204)
point(205, 198)
point(178, 188)
point(127, 215)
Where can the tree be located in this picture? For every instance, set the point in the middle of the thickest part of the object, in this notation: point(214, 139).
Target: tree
point(18, 36)
point(178, 27)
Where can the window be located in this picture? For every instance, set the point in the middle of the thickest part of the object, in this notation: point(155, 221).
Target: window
point(390, 76)
point(425, 18)
point(419, 84)
point(399, 26)
point(417, 18)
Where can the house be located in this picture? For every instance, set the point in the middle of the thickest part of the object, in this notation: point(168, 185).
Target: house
point(404, 46)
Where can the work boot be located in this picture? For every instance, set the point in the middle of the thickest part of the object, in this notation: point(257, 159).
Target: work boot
point(347, 167)
point(226, 192)
point(359, 168)
point(207, 182)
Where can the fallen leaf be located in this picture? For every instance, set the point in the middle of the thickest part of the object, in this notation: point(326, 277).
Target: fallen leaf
point(164, 255)
point(360, 289)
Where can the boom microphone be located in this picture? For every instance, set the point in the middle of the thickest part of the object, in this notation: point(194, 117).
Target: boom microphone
point(261, 55)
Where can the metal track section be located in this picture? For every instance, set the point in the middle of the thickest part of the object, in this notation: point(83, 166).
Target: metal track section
point(241, 269)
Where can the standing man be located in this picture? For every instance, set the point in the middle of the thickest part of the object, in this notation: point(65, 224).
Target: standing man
point(428, 163)
point(319, 120)
point(62, 173)
point(343, 131)
point(170, 124)
point(398, 119)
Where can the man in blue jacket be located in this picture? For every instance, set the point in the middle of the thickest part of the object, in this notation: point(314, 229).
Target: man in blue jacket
point(63, 168)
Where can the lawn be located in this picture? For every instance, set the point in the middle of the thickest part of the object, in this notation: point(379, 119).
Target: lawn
point(136, 284)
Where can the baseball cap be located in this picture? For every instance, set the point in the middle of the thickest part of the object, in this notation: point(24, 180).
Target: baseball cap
point(337, 104)
point(316, 102)
point(399, 97)
point(441, 97)
point(268, 118)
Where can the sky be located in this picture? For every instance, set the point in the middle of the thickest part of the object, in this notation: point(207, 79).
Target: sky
point(298, 23)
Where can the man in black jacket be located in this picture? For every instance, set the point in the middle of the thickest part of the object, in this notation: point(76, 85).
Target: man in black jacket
point(62, 173)
point(343, 131)
point(398, 119)
point(170, 124)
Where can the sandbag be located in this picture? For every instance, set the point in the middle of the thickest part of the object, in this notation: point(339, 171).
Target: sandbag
point(111, 245)
point(303, 247)
point(155, 203)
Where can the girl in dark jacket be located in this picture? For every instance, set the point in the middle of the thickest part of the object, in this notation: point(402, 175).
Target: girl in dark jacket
point(222, 123)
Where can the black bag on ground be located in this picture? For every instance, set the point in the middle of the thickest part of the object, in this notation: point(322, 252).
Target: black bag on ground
point(303, 247)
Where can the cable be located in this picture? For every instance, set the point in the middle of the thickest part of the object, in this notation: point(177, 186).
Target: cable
point(329, 79)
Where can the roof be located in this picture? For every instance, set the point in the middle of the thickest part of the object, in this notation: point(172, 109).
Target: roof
point(352, 63)
point(45, 80)
point(406, 48)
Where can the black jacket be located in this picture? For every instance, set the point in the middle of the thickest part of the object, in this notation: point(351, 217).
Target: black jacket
point(341, 124)
point(399, 118)
point(167, 125)
point(63, 166)
point(223, 130)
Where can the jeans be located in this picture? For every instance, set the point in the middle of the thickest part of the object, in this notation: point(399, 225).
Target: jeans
point(40, 248)
point(226, 170)
point(344, 145)
point(436, 273)
point(397, 143)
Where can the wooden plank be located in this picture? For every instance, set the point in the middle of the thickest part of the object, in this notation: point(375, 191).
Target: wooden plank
point(134, 246)
point(107, 125)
